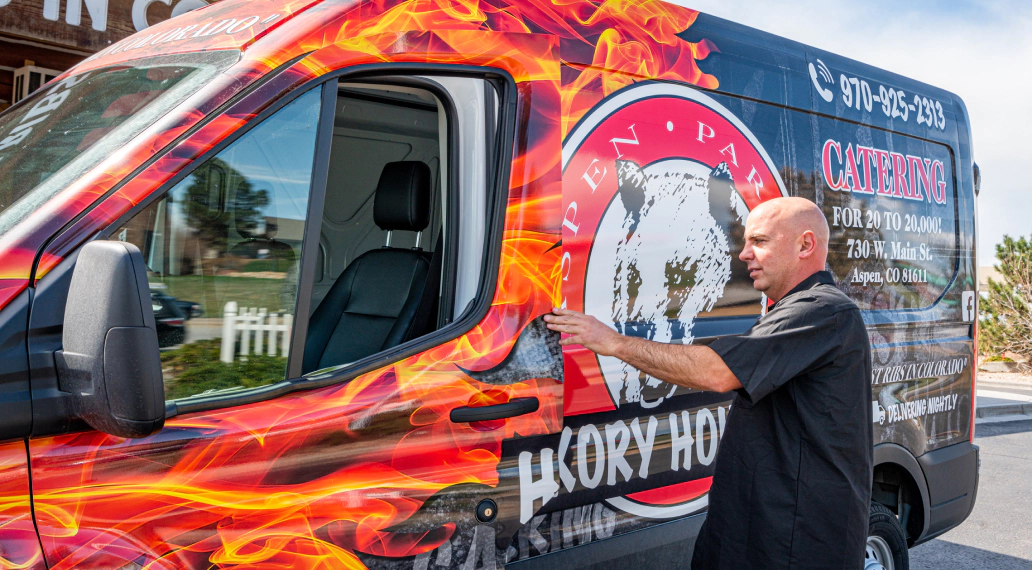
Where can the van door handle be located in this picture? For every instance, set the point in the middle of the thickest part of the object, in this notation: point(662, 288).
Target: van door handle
point(510, 409)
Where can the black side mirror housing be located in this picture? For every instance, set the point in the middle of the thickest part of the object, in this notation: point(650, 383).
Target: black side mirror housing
point(110, 362)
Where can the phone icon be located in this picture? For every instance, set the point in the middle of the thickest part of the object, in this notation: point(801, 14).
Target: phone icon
point(818, 72)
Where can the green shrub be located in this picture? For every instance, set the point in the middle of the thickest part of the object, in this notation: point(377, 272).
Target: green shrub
point(996, 358)
point(194, 368)
point(1006, 314)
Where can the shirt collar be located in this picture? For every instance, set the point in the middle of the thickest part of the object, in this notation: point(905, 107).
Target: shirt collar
point(818, 278)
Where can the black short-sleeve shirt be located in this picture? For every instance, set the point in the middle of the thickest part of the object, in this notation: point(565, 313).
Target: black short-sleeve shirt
point(792, 485)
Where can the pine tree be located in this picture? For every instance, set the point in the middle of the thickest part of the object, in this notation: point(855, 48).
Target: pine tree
point(1006, 315)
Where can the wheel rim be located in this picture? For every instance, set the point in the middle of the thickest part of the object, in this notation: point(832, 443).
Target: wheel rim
point(878, 555)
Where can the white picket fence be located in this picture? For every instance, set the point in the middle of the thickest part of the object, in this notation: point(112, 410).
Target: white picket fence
point(253, 327)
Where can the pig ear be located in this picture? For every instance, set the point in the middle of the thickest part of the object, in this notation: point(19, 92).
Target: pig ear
point(723, 196)
point(631, 184)
point(722, 172)
point(631, 175)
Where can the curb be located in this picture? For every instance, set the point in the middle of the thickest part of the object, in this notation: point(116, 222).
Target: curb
point(1004, 410)
point(1012, 383)
point(1000, 367)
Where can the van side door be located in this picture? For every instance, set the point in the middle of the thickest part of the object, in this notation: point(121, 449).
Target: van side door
point(384, 458)
point(658, 181)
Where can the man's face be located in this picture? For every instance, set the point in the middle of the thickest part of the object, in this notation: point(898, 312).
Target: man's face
point(769, 253)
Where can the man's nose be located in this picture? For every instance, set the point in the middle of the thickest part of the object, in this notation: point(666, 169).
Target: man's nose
point(746, 254)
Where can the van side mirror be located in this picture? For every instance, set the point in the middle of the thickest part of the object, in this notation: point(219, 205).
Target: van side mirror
point(111, 364)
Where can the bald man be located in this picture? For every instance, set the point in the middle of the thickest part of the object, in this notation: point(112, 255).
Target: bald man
point(792, 484)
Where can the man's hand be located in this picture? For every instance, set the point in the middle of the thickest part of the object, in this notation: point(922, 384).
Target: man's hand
point(696, 367)
point(584, 330)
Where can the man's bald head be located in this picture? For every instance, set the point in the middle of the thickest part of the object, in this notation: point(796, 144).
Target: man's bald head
point(786, 241)
point(795, 215)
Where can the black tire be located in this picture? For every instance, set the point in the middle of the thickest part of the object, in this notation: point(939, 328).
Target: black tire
point(885, 538)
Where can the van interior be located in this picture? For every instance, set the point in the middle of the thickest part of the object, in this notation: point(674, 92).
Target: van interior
point(401, 232)
point(385, 268)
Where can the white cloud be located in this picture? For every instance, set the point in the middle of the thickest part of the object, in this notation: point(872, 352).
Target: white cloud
point(977, 50)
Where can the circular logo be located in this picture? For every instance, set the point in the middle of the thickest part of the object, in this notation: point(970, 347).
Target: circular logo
point(658, 181)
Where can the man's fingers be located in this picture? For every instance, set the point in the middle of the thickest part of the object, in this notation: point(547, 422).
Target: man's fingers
point(567, 329)
point(577, 318)
point(567, 322)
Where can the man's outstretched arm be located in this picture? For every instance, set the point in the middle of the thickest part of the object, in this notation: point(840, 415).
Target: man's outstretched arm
point(695, 367)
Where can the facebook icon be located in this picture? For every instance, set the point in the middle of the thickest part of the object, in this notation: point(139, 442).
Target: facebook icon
point(968, 305)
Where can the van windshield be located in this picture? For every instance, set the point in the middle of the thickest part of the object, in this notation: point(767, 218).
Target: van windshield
point(71, 126)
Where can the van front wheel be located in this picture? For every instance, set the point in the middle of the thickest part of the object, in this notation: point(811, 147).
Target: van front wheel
point(886, 543)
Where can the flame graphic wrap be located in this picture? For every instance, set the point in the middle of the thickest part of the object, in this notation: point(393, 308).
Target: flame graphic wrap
point(636, 38)
point(19, 546)
point(359, 473)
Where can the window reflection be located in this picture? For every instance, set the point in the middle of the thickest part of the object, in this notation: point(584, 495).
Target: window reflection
point(223, 251)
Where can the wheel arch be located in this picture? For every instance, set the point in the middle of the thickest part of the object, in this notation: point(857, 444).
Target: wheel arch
point(899, 479)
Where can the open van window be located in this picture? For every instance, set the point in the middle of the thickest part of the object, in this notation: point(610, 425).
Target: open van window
point(62, 132)
point(223, 246)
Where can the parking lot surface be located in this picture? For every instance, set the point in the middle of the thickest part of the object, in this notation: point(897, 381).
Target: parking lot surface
point(997, 535)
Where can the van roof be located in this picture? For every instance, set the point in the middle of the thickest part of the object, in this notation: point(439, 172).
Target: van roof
point(645, 38)
point(636, 36)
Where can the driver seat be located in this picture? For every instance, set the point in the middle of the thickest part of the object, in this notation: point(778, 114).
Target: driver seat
point(373, 304)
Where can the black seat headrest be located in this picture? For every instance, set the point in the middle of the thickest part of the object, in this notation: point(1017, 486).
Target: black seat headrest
point(402, 199)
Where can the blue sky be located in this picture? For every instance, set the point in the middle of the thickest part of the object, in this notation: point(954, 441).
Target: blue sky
point(979, 50)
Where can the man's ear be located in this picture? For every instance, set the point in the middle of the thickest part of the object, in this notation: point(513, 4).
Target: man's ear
point(807, 244)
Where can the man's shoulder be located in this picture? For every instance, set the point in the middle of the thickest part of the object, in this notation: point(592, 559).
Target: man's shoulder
point(824, 300)
point(832, 298)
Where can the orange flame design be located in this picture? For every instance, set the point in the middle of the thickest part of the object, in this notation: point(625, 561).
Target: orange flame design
point(306, 480)
point(319, 479)
point(19, 546)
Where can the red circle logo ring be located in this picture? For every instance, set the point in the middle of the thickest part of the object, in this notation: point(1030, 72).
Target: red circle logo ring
point(658, 181)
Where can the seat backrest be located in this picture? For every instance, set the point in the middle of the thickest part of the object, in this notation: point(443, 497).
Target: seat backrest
point(373, 304)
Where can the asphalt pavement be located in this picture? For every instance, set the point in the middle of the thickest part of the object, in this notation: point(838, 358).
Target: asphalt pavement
point(998, 534)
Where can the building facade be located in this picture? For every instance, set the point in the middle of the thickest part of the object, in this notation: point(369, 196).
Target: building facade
point(39, 39)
